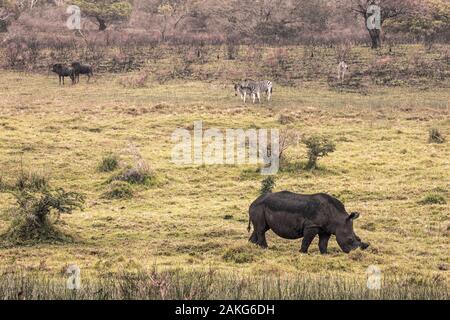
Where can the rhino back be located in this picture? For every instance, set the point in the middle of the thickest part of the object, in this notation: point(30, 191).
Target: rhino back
point(310, 206)
point(289, 202)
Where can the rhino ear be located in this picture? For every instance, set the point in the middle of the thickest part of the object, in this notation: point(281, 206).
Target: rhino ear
point(353, 216)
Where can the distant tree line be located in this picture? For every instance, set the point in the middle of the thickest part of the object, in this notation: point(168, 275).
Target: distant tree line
point(258, 21)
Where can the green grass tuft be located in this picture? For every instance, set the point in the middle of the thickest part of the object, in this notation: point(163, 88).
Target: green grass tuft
point(34, 181)
point(433, 198)
point(109, 163)
point(135, 176)
point(119, 190)
point(435, 136)
point(267, 185)
point(240, 254)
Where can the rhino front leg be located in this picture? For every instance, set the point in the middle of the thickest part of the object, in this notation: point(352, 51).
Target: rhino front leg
point(323, 242)
point(309, 235)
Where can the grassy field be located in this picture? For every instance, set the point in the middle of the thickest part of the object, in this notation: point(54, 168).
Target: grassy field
point(206, 285)
point(195, 217)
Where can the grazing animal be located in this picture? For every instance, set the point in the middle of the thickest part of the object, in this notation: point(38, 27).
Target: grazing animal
point(254, 88)
point(342, 70)
point(242, 89)
point(261, 86)
point(294, 216)
point(82, 69)
point(63, 71)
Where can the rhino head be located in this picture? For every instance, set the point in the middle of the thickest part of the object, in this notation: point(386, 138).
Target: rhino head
point(346, 237)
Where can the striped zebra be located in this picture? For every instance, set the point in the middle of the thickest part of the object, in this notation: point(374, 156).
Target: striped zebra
point(254, 88)
point(242, 89)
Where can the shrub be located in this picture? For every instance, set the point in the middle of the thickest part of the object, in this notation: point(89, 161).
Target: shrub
point(139, 173)
point(119, 190)
point(26, 180)
point(267, 185)
point(30, 181)
point(34, 210)
point(318, 147)
point(109, 163)
point(435, 136)
point(21, 51)
point(433, 198)
point(288, 138)
point(14, 54)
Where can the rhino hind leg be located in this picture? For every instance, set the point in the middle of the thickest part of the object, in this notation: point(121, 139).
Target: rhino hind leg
point(254, 237)
point(262, 238)
point(323, 242)
point(258, 219)
point(259, 233)
point(308, 237)
point(259, 237)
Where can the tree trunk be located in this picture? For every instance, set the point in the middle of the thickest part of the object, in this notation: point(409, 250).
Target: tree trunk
point(375, 36)
point(429, 41)
point(3, 26)
point(232, 47)
point(101, 24)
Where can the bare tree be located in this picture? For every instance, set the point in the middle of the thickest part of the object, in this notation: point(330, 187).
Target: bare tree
point(171, 13)
point(389, 9)
point(273, 20)
point(12, 9)
point(288, 138)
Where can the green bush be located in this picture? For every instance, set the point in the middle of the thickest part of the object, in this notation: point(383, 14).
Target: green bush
point(433, 198)
point(435, 136)
point(139, 173)
point(318, 147)
point(109, 163)
point(33, 181)
point(35, 206)
point(119, 190)
point(267, 185)
point(34, 210)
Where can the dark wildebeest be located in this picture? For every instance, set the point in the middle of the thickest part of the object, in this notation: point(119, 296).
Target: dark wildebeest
point(62, 71)
point(293, 216)
point(82, 69)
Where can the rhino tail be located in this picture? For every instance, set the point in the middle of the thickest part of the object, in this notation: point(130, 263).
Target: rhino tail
point(249, 227)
